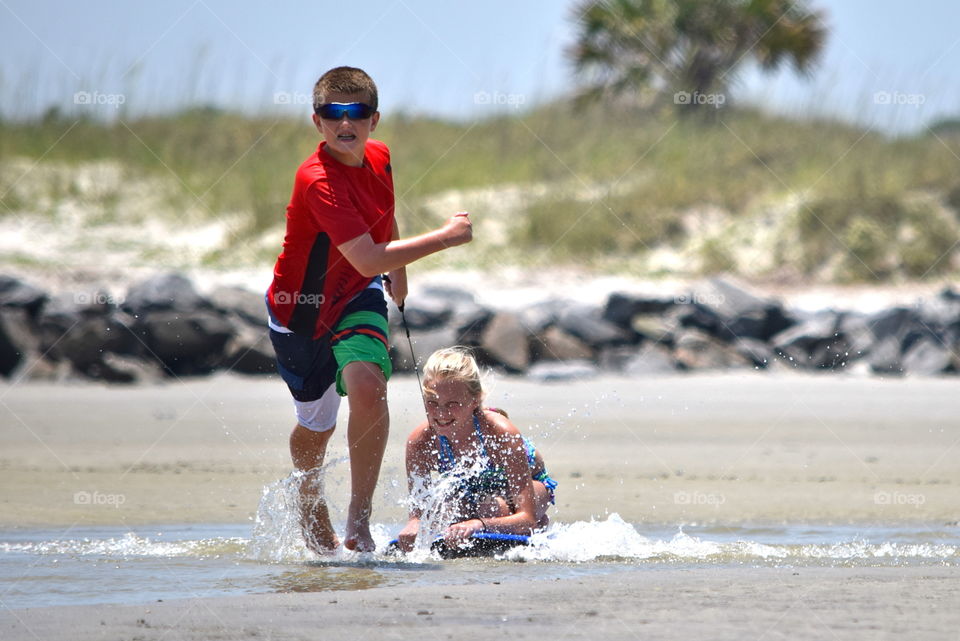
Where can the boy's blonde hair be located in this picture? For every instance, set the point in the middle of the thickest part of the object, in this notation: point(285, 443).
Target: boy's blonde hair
point(454, 364)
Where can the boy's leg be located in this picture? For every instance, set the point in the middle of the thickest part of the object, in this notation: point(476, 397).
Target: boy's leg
point(309, 369)
point(359, 344)
point(367, 431)
point(307, 449)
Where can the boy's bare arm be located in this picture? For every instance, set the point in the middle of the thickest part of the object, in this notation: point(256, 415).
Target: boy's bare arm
point(371, 258)
point(396, 281)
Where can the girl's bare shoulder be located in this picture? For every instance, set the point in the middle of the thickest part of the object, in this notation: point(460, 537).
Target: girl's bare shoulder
point(419, 435)
point(500, 425)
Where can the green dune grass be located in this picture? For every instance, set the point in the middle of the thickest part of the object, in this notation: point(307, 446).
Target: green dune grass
point(611, 183)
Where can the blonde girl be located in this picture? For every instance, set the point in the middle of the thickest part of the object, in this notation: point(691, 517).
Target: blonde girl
point(501, 482)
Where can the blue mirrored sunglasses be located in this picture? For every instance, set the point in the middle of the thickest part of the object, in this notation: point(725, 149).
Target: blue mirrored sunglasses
point(352, 110)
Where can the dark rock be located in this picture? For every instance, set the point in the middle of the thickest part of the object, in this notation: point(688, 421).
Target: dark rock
point(895, 322)
point(85, 343)
point(885, 356)
point(468, 322)
point(941, 312)
point(250, 351)
point(455, 295)
point(539, 316)
point(927, 357)
point(242, 303)
point(856, 329)
point(814, 335)
point(81, 328)
point(424, 344)
point(586, 324)
point(755, 351)
point(22, 356)
point(621, 308)
point(617, 358)
point(165, 292)
point(557, 345)
point(129, 369)
point(831, 354)
point(39, 368)
point(186, 343)
point(506, 341)
point(651, 360)
point(695, 350)
point(12, 354)
point(660, 329)
point(422, 313)
point(15, 293)
point(728, 312)
point(555, 372)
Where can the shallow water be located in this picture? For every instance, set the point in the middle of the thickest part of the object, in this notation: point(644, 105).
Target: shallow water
point(120, 565)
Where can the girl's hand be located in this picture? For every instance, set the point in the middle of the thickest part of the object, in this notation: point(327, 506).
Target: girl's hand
point(395, 284)
point(408, 535)
point(462, 531)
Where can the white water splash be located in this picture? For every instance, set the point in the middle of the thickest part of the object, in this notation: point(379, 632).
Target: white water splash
point(133, 545)
point(277, 532)
point(614, 538)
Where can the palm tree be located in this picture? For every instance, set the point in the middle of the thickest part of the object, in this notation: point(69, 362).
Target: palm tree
point(689, 47)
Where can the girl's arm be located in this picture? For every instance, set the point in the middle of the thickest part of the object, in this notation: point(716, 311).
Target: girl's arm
point(418, 471)
point(513, 457)
point(506, 449)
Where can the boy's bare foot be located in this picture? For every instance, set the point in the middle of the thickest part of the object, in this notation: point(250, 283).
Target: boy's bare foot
point(358, 536)
point(318, 533)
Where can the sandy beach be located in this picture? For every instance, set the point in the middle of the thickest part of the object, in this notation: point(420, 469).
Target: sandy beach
point(723, 448)
point(731, 448)
point(810, 603)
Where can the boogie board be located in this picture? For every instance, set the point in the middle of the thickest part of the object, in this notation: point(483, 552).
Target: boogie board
point(479, 544)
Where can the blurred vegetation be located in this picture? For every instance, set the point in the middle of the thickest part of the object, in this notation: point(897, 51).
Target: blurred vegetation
point(694, 47)
point(618, 179)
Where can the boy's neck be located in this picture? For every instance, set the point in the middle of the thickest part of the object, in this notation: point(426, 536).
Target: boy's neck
point(347, 159)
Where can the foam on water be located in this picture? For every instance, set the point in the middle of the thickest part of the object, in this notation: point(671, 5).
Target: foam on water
point(133, 545)
point(278, 540)
point(615, 539)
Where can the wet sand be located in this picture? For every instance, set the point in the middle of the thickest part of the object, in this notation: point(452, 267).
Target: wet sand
point(649, 603)
point(729, 448)
point(724, 448)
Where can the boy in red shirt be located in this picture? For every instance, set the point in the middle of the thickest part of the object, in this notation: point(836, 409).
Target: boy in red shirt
point(328, 315)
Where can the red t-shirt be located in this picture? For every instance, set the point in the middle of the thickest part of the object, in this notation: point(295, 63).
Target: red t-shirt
point(331, 204)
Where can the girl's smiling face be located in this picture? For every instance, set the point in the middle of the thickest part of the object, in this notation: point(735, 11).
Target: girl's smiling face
point(449, 404)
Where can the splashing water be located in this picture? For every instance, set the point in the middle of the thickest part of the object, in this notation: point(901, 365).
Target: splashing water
point(435, 499)
point(277, 532)
point(616, 540)
point(609, 540)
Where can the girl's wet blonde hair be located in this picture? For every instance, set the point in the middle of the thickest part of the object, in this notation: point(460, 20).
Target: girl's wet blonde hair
point(454, 364)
